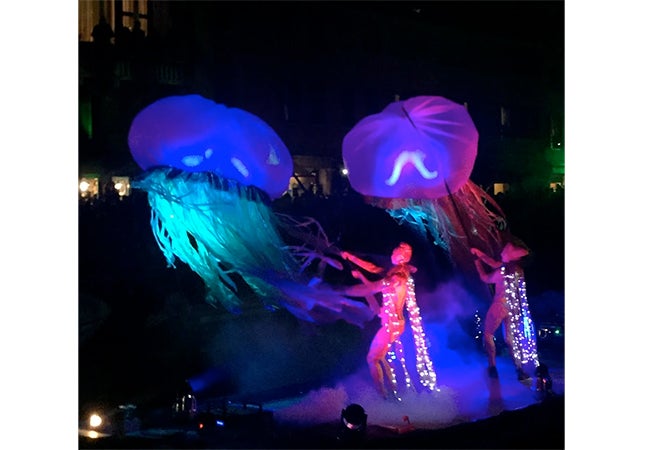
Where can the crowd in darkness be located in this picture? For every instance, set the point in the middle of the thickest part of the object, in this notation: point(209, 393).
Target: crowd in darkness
point(128, 42)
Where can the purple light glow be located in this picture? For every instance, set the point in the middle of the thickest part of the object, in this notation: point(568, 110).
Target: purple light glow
point(412, 149)
point(195, 134)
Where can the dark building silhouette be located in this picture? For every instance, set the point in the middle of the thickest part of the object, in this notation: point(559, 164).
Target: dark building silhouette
point(316, 68)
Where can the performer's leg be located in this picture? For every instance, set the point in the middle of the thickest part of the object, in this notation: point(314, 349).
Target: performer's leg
point(494, 317)
point(376, 360)
point(508, 338)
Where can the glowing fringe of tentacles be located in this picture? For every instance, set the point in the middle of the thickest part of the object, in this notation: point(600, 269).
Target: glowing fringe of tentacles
point(454, 221)
point(424, 366)
point(213, 224)
point(524, 341)
point(224, 230)
point(423, 217)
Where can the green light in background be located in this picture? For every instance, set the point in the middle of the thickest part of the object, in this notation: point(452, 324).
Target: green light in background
point(86, 118)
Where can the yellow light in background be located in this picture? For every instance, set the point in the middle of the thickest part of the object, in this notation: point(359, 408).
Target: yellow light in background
point(501, 188)
point(122, 185)
point(88, 187)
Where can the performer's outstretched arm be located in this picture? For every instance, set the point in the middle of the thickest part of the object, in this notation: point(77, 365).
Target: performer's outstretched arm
point(485, 258)
point(366, 265)
point(366, 289)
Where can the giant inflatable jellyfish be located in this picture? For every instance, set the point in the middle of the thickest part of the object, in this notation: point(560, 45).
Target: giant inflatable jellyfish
point(414, 159)
point(210, 173)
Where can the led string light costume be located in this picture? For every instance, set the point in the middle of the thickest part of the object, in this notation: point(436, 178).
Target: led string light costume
point(423, 363)
point(509, 308)
point(210, 173)
point(414, 160)
point(386, 349)
point(524, 342)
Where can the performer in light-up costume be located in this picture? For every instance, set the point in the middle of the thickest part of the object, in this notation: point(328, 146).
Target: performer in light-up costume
point(210, 172)
point(386, 349)
point(414, 160)
point(509, 307)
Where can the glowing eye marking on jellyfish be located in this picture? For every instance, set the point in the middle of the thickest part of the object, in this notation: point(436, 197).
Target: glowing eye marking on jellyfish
point(208, 153)
point(239, 166)
point(273, 157)
point(192, 160)
point(415, 157)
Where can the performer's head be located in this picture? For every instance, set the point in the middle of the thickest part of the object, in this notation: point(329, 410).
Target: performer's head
point(401, 254)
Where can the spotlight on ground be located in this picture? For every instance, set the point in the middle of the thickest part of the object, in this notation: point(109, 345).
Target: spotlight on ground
point(354, 421)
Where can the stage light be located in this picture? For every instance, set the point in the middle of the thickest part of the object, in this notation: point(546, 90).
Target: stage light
point(208, 423)
point(95, 420)
point(354, 417)
point(185, 405)
point(96, 425)
point(354, 421)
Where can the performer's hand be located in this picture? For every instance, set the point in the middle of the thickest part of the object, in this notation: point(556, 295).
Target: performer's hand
point(475, 251)
point(356, 274)
point(345, 255)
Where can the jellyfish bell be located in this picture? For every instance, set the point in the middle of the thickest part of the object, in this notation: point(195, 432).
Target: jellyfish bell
point(195, 134)
point(254, 153)
point(176, 132)
point(423, 147)
point(414, 160)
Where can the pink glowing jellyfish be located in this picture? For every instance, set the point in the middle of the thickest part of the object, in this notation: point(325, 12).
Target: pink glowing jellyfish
point(414, 159)
point(210, 173)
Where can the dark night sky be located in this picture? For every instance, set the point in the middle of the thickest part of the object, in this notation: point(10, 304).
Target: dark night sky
point(410, 28)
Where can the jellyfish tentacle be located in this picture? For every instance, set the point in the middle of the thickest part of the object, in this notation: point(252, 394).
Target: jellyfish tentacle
point(217, 233)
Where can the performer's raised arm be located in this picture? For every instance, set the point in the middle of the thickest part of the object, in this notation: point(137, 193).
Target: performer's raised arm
point(486, 277)
point(366, 265)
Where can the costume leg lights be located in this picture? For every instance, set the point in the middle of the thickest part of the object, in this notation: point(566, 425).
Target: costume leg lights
point(414, 160)
point(424, 365)
point(509, 306)
point(521, 328)
point(210, 174)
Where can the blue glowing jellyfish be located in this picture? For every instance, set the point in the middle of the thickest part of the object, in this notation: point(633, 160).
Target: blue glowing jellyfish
point(414, 159)
point(210, 173)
